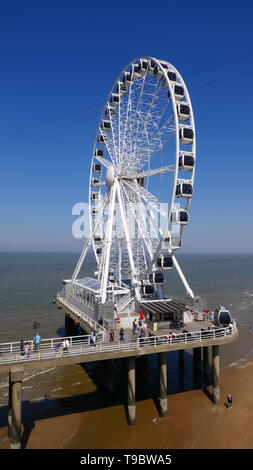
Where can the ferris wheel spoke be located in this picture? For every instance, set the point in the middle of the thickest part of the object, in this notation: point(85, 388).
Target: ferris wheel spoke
point(148, 197)
point(104, 265)
point(156, 141)
point(110, 152)
point(140, 222)
point(114, 134)
point(147, 173)
point(127, 238)
point(103, 161)
point(89, 241)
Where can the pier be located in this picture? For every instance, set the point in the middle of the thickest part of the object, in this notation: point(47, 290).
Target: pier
point(80, 351)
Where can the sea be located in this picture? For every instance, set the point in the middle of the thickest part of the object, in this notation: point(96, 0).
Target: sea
point(28, 283)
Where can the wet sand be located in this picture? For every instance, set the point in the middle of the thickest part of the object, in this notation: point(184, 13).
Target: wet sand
point(193, 422)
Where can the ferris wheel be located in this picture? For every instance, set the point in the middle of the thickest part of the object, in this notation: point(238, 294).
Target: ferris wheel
point(141, 178)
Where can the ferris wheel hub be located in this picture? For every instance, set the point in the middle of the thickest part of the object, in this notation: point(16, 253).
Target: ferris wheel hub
point(110, 176)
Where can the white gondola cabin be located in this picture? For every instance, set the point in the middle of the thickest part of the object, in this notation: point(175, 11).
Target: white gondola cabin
point(111, 277)
point(147, 290)
point(95, 182)
point(94, 196)
point(222, 317)
point(178, 91)
point(186, 161)
point(128, 78)
point(97, 238)
point(143, 66)
point(156, 278)
point(114, 99)
point(97, 168)
point(172, 242)
point(151, 67)
point(94, 211)
point(165, 262)
point(99, 153)
point(159, 70)
point(106, 125)
point(186, 135)
point(99, 250)
point(102, 139)
point(172, 76)
point(184, 189)
point(109, 111)
point(183, 111)
point(136, 72)
point(121, 88)
point(180, 216)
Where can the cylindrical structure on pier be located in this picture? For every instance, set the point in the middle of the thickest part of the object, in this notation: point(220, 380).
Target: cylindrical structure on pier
point(16, 377)
point(205, 360)
point(181, 358)
point(196, 367)
point(10, 407)
point(131, 390)
point(163, 383)
point(216, 373)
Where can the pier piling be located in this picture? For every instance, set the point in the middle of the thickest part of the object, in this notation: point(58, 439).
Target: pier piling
point(205, 361)
point(181, 358)
point(216, 372)
point(131, 390)
point(197, 367)
point(16, 378)
point(163, 383)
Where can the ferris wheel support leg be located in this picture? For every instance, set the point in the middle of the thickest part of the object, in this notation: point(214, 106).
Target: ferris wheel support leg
point(87, 245)
point(127, 237)
point(107, 246)
point(181, 275)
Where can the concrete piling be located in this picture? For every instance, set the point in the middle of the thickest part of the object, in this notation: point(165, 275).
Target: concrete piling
point(181, 358)
point(16, 378)
point(205, 361)
point(163, 383)
point(196, 367)
point(216, 373)
point(131, 390)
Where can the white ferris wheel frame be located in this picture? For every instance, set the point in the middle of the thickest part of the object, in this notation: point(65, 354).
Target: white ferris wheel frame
point(117, 188)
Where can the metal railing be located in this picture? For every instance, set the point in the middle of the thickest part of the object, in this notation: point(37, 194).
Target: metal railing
point(80, 345)
point(81, 315)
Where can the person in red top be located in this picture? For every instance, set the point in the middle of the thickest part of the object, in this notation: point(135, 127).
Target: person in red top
point(141, 314)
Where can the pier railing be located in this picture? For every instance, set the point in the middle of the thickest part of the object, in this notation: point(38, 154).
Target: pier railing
point(81, 315)
point(46, 344)
point(80, 345)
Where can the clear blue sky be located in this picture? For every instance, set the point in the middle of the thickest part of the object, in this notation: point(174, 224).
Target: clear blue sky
point(58, 62)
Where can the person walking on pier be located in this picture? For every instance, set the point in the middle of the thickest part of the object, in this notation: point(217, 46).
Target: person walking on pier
point(229, 401)
point(135, 325)
point(27, 349)
point(111, 335)
point(65, 345)
point(121, 334)
point(22, 353)
point(37, 340)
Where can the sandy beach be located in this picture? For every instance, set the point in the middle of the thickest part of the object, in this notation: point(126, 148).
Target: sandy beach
point(193, 422)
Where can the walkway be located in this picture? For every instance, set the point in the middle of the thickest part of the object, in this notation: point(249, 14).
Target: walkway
point(51, 348)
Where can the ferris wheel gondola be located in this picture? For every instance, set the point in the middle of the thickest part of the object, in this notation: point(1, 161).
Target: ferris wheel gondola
point(144, 150)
